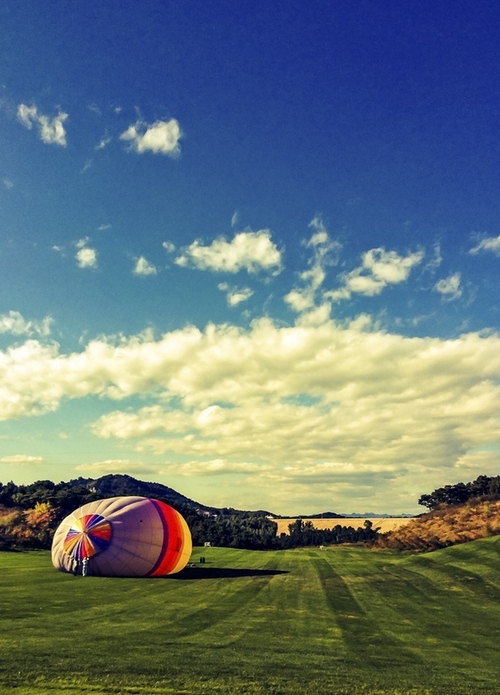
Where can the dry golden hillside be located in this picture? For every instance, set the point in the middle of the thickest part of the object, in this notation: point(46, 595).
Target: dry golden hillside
point(445, 526)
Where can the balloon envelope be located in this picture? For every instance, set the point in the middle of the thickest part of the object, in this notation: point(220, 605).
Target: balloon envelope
point(123, 537)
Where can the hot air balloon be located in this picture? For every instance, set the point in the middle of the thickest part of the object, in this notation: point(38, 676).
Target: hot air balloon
point(123, 537)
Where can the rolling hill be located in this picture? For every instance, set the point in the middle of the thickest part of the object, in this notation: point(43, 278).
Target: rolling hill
point(446, 526)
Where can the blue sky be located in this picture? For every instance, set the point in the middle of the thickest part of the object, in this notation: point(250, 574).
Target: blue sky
point(251, 250)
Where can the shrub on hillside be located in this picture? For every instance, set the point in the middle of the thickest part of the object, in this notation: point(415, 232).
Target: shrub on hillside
point(482, 487)
point(30, 528)
point(445, 526)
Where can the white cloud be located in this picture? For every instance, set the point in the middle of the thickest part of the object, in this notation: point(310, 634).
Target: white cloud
point(235, 295)
point(116, 466)
point(218, 466)
point(51, 130)
point(449, 287)
point(342, 405)
point(379, 268)
point(7, 183)
point(161, 137)
point(168, 246)
point(491, 244)
point(16, 324)
point(86, 257)
point(250, 251)
point(303, 298)
point(433, 264)
point(21, 459)
point(144, 267)
point(103, 142)
point(320, 235)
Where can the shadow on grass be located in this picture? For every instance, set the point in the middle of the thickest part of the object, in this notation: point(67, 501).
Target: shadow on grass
point(200, 572)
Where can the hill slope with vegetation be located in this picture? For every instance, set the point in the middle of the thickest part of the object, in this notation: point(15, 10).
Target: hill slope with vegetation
point(30, 514)
point(458, 514)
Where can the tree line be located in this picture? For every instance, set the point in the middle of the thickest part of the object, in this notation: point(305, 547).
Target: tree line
point(32, 513)
point(484, 487)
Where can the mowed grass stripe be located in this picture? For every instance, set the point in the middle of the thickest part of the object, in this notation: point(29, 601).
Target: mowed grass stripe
point(292, 606)
point(416, 597)
point(364, 636)
point(310, 622)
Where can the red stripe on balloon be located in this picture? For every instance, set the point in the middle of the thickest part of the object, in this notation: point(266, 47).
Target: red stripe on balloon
point(173, 540)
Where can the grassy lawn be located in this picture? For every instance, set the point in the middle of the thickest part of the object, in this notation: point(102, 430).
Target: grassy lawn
point(302, 622)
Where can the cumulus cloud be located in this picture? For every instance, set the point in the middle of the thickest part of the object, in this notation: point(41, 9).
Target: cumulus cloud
point(235, 295)
point(449, 288)
point(144, 267)
point(51, 131)
point(490, 244)
point(340, 404)
point(21, 459)
point(378, 269)
point(15, 324)
point(86, 257)
point(250, 251)
point(160, 137)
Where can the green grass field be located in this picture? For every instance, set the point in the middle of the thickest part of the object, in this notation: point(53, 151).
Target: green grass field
point(302, 622)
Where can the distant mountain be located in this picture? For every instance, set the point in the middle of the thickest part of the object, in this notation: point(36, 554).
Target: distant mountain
point(118, 485)
point(372, 515)
point(325, 515)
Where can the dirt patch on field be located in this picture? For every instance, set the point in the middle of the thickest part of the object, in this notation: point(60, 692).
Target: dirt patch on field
point(383, 525)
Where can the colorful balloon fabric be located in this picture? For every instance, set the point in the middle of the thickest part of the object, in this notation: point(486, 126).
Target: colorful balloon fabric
point(89, 535)
point(123, 537)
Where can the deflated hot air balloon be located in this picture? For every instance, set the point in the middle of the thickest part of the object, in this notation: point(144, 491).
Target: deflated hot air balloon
point(123, 537)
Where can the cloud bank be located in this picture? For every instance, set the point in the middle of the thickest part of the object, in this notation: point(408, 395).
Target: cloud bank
point(330, 405)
